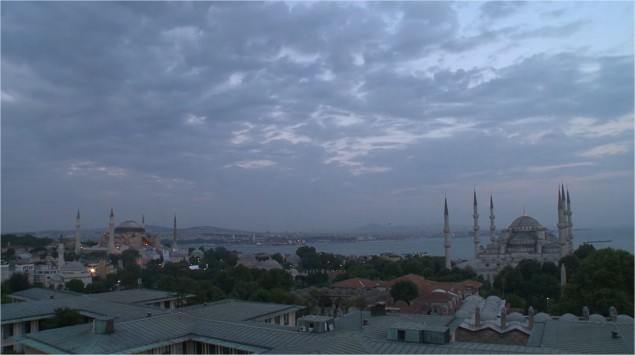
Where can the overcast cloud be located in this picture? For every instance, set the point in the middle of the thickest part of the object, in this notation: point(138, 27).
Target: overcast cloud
point(315, 116)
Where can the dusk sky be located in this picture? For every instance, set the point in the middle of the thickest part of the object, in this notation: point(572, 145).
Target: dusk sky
point(315, 116)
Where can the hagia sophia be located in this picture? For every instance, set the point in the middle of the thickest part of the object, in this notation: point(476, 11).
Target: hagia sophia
point(525, 238)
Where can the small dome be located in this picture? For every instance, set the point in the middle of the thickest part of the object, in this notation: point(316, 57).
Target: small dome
point(293, 259)
point(597, 318)
point(525, 221)
point(129, 226)
point(568, 317)
point(542, 317)
point(516, 317)
point(624, 318)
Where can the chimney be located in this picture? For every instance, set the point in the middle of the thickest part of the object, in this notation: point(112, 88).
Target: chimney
point(612, 314)
point(531, 317)
point(503, 318)
point(105, 325)
point(477, 317)
point(585, 313)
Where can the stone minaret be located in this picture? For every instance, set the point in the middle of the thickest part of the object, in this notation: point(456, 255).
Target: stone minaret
point(143, 221)
point(78, 243)
point(570, 223)
point(492, 227)
point(174, 246)
point(476, 229)
point(446, 233)
point(562, 224)
point(563, 275)
point(60, 254)
point(111, 233)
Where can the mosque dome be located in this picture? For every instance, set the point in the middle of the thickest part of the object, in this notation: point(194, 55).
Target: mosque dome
point(129, 226)
point(625, 318)
point(525, 221)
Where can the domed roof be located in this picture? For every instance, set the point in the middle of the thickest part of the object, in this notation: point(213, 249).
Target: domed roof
point(129, 226)
point(525, 221)
point(597, 318)
point(542, 317)
point(516, 317)
point(624, 318)
point(568, 317)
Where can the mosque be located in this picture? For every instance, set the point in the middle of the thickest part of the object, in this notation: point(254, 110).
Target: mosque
point(127, 235)
point(525, 238)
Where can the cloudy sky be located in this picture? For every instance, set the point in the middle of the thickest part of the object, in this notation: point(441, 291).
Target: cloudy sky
point(315, 116)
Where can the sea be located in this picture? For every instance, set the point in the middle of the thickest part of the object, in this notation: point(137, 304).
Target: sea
point(462, 247)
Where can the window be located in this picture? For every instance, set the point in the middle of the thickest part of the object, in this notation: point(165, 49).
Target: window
point(401, 335)
point(286, 319)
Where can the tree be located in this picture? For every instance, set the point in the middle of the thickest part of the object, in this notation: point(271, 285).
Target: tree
point(75, 285)
point(63, 317)
point(276, 278)
point(404, 290)
point(17, 282)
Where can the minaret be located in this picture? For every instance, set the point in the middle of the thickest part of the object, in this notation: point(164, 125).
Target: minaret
point(60, 255)
point(111, 233)
point(570, 223)
point(174, 246)
point(446, 233)
point(563, 275)
point(476, 229)
point(562, 223)
point(492, 227)
point(78, 245)
point(143, 221)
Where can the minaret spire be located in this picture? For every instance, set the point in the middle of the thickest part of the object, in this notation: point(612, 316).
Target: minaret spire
point(78, 245)
point(476, 228)
point(143, 221)
point(562, 223)
point(111, 233)
point(570, 223)
point(492, 227)
point(174, 246)
point(446, 233)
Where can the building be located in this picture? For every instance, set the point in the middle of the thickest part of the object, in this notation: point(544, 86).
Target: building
point(525, 238)
point(241, 327)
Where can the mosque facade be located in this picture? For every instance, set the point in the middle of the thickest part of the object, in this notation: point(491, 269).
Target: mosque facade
point(525, 238)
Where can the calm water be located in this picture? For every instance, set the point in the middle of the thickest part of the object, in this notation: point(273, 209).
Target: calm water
point(462, 248)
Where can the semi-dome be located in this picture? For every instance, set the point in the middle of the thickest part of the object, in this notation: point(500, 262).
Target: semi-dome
point(197, 253)
point(129, 226)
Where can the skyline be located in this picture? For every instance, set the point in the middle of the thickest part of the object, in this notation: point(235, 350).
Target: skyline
point(315, 116)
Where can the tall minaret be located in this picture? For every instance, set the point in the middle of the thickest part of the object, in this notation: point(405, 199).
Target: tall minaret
point(476, 229)
point(562, 223)
point(446, 233)
point(492, 227)
point(174, 246)
point(111, 233)
point(78, 245)
point(143, 221)
point(570, 223)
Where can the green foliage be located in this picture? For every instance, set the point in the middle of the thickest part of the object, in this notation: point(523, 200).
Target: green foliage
point(17, 282)
point(26, 240)
point(603, 278)
point(63, 317)
point(75, 285)
point(404, 290)
point(276, 278)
